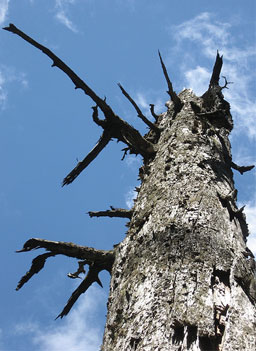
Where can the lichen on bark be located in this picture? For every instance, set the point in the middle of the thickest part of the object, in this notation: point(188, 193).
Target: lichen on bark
point(178, 280)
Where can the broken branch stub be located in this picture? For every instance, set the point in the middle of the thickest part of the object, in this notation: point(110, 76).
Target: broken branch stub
point(216, 71)
point(241, 169)
point(114, 212)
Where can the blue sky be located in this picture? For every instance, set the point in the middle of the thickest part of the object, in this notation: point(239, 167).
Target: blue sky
point(46, 125)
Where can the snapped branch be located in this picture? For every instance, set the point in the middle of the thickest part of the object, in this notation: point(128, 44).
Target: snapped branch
point(241, 169)
point(37, 264)
point(174, 97)
point(114, 212)
point(216, 71)
point(103, 141)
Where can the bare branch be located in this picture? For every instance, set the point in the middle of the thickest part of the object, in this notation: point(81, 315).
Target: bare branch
point(174, 97)
point(139, 112)
point(152, 110)
point(69, 249)
point(97, 260)
point(37, 264)
point(80, 270)
point(78, 82)
point(114, 212)
point(90, 278)
point(103, 141)
point(96, 119)
point(113, 125)
point(216, 71)
point(226, 83)
point(241, 169)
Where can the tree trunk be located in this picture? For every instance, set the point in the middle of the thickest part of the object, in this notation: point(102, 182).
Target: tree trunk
point(183, 278)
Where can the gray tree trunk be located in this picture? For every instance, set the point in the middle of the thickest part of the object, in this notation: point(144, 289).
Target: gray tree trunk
point(183, 278)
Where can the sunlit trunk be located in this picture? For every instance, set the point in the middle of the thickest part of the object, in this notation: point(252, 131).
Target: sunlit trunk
point(183, 277)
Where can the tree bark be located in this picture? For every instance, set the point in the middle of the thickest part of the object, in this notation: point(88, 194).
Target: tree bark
point(183, 278)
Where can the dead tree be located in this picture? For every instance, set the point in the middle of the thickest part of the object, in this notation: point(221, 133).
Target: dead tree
point(183, 278)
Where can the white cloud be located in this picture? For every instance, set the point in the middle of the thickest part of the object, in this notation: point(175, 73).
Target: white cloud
point(198, 78)
point(77, 332)
point(3, 93)
point(4, 4)
point(205, 34)
point(9, 75)
point(129, 197)
point(250, 212)
point(62, 14)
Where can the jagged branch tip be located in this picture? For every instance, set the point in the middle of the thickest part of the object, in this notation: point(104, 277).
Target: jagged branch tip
point(97, 260)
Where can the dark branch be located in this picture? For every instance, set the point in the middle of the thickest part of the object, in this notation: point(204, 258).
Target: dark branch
point(37, 264)
point(69, 249)
point(139, 112)
point(241, 169)
point(114, 212)
point(99, 122)
point(97, 260)
point(174, 97)
point(78, 82)
point(152, 110)
point(113, 125)
point(104, 140)
point(90, 278)
point(216, 71)
point(80, 270)
point(226, 83)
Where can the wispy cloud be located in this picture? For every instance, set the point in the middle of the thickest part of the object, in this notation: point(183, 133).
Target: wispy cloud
point(129, 197)
point(8, 75)
point(4, 4)
point(62, 15)
point(250, 212)
point(205, 34)
point(78, 331)
point(3, 93)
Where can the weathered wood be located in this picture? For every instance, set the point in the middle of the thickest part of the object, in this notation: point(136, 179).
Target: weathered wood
point(114, 212)
point(182, 279)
